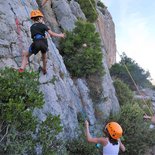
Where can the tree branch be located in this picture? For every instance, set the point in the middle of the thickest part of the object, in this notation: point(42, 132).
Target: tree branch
point(5, 134)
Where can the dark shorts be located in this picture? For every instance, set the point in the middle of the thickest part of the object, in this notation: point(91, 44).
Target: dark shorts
point(38, 45)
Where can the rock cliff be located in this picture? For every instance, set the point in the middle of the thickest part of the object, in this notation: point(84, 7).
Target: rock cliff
point(64, 96)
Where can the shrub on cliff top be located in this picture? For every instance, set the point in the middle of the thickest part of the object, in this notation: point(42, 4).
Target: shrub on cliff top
point(88, 7)
point(123, 92)
point(81, 50)
point(101, 4)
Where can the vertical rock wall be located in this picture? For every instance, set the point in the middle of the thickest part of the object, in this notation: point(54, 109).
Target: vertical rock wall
point(63, 96)
point(107, 32)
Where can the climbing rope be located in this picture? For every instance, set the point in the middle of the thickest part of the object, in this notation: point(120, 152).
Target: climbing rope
point(93, 7)
point(136, 85)
point(35, 4)
point(24, 4)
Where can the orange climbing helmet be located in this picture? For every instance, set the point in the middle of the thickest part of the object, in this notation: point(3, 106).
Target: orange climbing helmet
point(114, 129)
point(36, 13)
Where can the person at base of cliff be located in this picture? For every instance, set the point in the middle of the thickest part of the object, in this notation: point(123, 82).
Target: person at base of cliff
point(38, 30)
point(111, 143)
point(152, 118)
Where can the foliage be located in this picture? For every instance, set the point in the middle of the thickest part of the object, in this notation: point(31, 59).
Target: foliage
point(81, 50)
point(145, 105)
point(47, 133)
point(123, 93)
point(137, 135)
point(94, 82)
point(80, 146)
point(19, 96)
point(101, 4)
point(140, 76)
point(89, 9)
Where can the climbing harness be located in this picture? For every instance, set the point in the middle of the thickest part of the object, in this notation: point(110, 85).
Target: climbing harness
point(38, 36)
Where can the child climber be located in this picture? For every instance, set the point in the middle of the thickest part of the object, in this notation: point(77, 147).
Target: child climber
point(111, 143)
point(38, 30)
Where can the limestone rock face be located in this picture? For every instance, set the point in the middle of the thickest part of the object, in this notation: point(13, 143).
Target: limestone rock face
point(107, 31)
point(64, 14)
point(63, 95)
point(76, 10)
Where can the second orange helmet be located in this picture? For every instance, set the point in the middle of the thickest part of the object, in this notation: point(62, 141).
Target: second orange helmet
point(114, 129)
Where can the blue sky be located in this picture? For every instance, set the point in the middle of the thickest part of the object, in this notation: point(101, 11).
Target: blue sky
point(135, 30)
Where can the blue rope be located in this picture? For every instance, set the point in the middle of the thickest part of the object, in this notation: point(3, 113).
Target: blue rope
point(23, 3)
point(35, 4)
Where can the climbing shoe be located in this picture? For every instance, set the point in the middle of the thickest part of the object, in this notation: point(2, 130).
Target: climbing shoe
point(43, 70)
point(20, 70)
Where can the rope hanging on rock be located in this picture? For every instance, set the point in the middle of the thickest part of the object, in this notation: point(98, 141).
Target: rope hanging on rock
point(136, 86)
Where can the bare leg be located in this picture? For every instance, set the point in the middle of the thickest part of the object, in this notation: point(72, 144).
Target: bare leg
point(25, 59)
point(44, 59)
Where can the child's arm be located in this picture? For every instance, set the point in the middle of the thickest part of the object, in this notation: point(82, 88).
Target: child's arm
point(61, 35)
point(122, 147)
point(43, 2)
point(147, 117)
point(90, 139)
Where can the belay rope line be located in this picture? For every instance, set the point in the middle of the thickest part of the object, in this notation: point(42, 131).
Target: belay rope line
point(127, 70)
point(136, 86)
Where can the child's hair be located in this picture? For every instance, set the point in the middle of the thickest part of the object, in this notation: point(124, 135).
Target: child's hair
point(36, 19)
point(111, 140)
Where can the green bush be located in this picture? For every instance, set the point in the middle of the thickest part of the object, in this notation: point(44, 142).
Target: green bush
point(94, 82)
point(122, 69)
point(81, 50)
point(146, 106)
point(137, 135)
point(123, 93)
point(89, 9)
point(101, 4)
point(80, 146)
point(19, 96)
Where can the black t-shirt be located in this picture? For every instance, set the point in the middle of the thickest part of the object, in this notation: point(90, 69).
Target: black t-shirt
point(38, 28)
